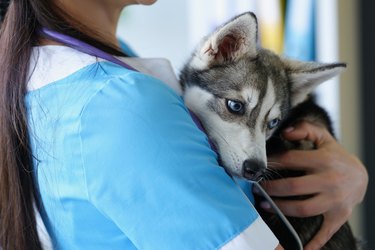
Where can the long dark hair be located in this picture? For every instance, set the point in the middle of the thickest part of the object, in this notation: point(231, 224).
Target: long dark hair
point(18, 192)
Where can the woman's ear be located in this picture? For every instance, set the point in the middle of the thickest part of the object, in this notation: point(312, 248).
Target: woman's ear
point(304, 77)
point(228, 43)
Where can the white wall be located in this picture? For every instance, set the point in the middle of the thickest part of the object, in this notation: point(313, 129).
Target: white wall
point(172, 28)
point(327, 50)
point(350, 101)
point(160, 30)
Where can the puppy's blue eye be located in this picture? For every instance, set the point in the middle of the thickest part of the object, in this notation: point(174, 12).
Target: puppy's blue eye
point(236, 107)
point(273, 123)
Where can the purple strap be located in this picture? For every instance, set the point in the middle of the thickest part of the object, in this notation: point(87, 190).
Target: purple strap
point(91, 50)
point(200, 126)
point(83, 47)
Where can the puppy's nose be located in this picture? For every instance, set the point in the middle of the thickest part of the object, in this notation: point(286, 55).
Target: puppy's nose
point(253, 169)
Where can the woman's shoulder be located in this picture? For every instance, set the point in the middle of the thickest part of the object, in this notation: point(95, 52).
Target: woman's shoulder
point(61, 71)
point(53, 63)
point(132, 98)
point(130, 94)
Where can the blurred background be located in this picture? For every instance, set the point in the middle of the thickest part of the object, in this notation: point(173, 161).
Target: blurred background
point(321, 30)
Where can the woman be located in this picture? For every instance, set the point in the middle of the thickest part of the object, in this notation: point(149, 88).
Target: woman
point(93, 145)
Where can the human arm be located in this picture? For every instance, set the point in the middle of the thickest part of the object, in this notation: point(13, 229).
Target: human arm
point(336, 178)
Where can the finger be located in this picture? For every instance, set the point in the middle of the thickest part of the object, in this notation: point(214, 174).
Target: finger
point(329, 227)
point(304, 185)
point(303, 208)
point(308, 131)
point(299, 159)
point(279, 247)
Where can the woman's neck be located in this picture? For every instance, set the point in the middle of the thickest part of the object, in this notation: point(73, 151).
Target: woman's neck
point(100, 17)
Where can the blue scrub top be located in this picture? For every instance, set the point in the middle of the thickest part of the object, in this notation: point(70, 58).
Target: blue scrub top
point(121, 165)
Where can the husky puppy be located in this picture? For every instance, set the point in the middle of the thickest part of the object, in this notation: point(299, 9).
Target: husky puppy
point(243, 94)
point(305, 227)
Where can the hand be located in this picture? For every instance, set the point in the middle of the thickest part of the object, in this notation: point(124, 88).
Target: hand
point(336, 179)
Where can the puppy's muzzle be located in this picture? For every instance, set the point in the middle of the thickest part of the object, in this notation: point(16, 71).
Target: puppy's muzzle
point(253, 169)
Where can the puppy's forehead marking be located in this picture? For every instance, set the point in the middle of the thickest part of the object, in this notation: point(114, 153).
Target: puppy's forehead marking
point(251, 96)
point(268, 101)
point(275, 111)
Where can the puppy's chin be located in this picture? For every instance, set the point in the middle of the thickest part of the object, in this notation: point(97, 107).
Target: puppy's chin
point(229, 168)
point(241, 174)
point(257, 177)
point(238, 172)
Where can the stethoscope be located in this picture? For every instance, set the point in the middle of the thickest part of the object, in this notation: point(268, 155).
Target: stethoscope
point(91, 50)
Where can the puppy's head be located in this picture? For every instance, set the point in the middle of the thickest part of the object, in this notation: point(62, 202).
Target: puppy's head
point(242, 92)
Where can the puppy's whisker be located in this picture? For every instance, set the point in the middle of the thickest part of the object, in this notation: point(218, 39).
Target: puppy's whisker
point(267, 176)
point(273, 173)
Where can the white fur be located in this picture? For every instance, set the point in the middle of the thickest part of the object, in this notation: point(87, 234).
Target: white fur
point(269, 103)
point(235, 142)
point(268, 100)
point(251, 95)
point(270, 106)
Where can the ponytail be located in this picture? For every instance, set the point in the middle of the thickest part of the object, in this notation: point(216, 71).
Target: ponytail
point(17, 191)
point(18, 35)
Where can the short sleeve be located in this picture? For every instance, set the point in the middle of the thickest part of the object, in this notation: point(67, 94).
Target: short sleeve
point(151, 171)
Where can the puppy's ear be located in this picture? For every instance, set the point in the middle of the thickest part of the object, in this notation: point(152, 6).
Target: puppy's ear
point(304, 77)
point(230, 42)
